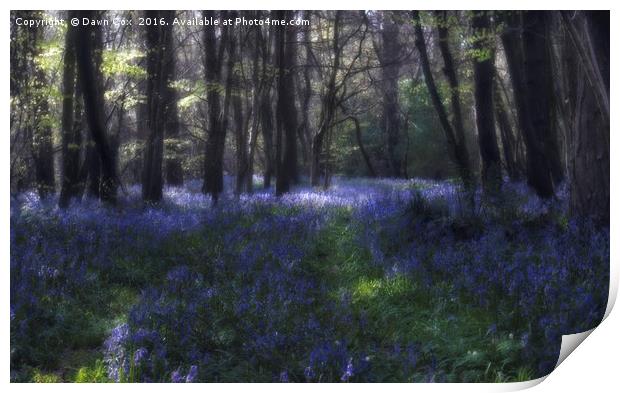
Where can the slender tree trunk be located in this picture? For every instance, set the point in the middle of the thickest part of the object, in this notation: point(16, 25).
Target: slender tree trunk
point(71, 135)
point(174, 167)
point(213, 183)
point(328, 105)
point(458, 129)
point(360, 144)
point(484, 69)
point(286, 116)
point(266, 118)
point(255, 113)
point(390, 66)
point(90, 81)
point(508, 140)
point(456, 146)
point(282, 179)
point(304, 128)
point(241, 141)
point(158, 43)
point(94, 160)
point(40, 122)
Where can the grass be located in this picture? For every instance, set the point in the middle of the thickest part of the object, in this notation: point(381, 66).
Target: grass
point(399, 309)
point(451, 336)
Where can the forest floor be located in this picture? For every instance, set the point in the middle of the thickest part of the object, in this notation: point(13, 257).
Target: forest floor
point(372, 280)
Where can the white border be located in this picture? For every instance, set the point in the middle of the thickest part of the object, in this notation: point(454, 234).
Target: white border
point(592, 367)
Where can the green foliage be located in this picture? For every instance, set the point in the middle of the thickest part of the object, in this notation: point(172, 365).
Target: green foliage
point(95, 373)
point(41, 377)
point(123, 62)
point(427, 145)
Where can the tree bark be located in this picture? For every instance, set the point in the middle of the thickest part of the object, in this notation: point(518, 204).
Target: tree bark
point(328, 105)
point(240, 127)
point(589, 143)
point(159, 42)
point(71, 135)
point(40, 121)
point(90, 82)
point(265, 107)
point(389, 58)
point(509, 142)
point(286, 115)
point(213, 183)
point(360, 144)
point(525, 55)
point(456, 146)
point(484, 70)
point(174, 167)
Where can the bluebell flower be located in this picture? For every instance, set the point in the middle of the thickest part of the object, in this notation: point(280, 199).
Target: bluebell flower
point(176, 377)
point(140, 355)
point(348, 371)
point(192, 374)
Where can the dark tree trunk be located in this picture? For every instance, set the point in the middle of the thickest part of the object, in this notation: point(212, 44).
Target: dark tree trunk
point(588, 146)
point(328, 106)
point(254, 120)
point(93, 166)
point(360, 144)
point(43, 150)
point(266, 118)
point(449, 70)
point(390, 65)
point(174, 168)
point(159, 42)
point(94, 160)
point(539, 87)
point(529, 66)
point(286, 115)
point(265, 108)
point(484, 69)
point(90, 82)
point(71, 135)
point(240, 134)
point(509, 142)
point(304, 128)
point(141, 133)
point(456, 146)
point(213, 183)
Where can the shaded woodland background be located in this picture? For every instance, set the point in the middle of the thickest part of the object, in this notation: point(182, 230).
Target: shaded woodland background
point(470, 95)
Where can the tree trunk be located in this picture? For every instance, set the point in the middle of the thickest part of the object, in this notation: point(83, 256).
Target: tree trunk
point(328, 106)
point(509, 142)
point(213, 183)
point(360, 144)
point(304, 128)
point(174, 168)
point(266, 118)
point(241, 141)
point(286, 115)
point(90, 82)
point(71, 135)
point(589, 148)
point(43, 150)
point(484, 70)
point(528, 58)
point(388, 57)
point(158, 42)
point(456, 146)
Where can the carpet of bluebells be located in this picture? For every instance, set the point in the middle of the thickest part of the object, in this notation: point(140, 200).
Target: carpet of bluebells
point(371, 281)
